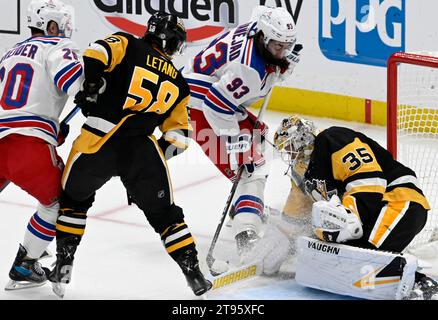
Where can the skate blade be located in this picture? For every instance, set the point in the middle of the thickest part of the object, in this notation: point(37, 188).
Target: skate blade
point(59, 289)
point(18, 285)
point(203, 296)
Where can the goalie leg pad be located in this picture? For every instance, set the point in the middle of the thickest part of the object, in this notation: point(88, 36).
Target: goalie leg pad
point(357, 272)
point(273, 249)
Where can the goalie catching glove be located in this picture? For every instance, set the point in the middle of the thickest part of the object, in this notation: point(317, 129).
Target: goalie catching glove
point(333, 222)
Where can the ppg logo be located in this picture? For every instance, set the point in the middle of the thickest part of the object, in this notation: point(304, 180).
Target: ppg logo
point(361, 31)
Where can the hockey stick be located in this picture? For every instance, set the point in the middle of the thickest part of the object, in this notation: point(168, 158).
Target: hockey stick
point(210, 259)
point(66, 120)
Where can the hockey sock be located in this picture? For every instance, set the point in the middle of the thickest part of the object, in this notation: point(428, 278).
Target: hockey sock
point(39, 233)
point(177, 239)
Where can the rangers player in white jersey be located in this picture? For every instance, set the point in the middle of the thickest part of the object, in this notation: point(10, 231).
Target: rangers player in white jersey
point(236, 69)
point(36, 78)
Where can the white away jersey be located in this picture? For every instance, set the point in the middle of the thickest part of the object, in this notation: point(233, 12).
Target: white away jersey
point(228, 76)
point(36, 77)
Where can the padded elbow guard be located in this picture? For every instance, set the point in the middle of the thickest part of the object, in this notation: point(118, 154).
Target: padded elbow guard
point(333, 222)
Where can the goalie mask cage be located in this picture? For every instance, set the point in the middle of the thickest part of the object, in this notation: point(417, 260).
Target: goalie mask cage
point(412, 130)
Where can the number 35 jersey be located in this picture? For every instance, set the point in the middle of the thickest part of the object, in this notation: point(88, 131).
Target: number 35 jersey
point(36, 77)
point(143, 91)
point(356, 165)
point(226, 77)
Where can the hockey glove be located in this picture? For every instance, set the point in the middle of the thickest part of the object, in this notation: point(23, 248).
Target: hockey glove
point(292, 60)
point(87, 97)
point(242, 150)
point(64, 129)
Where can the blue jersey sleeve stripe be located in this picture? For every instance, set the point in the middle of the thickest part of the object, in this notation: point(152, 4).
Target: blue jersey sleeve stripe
point(72, 79)
point(64, 71)
point(224, 100)
point(216, 108)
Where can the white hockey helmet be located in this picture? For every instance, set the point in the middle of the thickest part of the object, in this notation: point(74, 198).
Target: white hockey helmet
point(295, 139)
point(276, 24)
point(41, 12)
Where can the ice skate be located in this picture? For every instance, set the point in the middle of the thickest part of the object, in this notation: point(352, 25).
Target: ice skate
point(60, 276)
point(25, 272)
point(195, 279)
point(424, 289)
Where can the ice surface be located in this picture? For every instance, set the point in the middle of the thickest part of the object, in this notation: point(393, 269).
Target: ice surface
point(121, 257)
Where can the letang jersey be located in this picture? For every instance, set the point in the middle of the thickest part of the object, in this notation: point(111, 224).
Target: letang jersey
point(358, 166)
point(143, 90)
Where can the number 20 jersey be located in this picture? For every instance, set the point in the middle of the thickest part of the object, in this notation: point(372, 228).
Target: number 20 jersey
point(36, 77)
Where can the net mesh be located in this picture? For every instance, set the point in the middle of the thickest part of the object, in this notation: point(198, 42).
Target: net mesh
point(417, 135)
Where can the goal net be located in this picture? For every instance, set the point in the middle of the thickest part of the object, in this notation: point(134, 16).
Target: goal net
point(412, 130)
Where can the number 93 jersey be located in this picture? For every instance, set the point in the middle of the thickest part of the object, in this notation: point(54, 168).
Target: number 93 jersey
point(356, 165)
point(227, 76)
point(36, 77)
point(144, 90)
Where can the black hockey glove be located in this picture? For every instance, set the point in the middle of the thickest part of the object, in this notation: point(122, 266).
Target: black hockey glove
point(87, 97)
point(64, 129)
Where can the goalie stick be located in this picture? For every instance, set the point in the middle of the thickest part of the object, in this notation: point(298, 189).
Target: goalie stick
point(210, 259)
point(66, 120)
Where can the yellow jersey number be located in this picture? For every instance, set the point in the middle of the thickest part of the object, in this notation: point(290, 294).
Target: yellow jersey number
point(167, 93)
point(356, 158)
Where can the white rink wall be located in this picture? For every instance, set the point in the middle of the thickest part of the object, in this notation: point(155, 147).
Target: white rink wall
point(346, 42)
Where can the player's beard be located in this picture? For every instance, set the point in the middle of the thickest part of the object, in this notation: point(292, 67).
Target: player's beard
point(267, 55)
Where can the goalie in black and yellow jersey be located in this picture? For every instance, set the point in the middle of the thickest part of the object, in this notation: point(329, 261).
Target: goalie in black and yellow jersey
point(131, 87)
point(360, 196)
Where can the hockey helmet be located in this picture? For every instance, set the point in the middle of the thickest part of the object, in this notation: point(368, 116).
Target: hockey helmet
point(295, 139)
point(41, 12)
point(169, 31)
point(277, 24)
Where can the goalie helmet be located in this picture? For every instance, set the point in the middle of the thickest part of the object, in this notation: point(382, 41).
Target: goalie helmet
point(169, 31)
point(277, 24)
point(41, 12)
point(295, 139)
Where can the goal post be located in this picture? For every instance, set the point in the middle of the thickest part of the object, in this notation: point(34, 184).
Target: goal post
point(412, 127)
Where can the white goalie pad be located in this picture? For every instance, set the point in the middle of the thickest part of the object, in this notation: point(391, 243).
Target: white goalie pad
point(357, 272)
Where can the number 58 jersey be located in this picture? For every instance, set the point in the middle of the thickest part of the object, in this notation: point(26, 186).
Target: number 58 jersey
point(36, 77)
